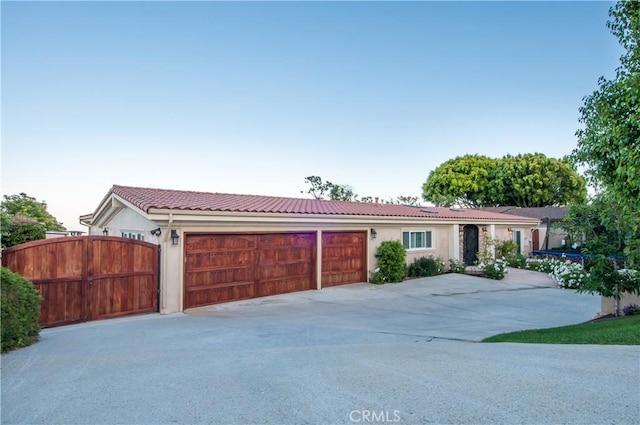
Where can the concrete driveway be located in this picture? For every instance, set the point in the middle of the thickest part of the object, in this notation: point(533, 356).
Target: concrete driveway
point(402, 353)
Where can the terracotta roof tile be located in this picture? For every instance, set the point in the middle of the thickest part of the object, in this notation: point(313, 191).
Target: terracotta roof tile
point(148, 198)
point(554, 213)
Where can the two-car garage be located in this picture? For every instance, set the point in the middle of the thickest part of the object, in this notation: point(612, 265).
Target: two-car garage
point(236, 266)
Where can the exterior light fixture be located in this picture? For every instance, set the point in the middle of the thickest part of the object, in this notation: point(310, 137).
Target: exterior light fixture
point(105, 231)
point(156, 232)
point(374, 234)
point(174, 237)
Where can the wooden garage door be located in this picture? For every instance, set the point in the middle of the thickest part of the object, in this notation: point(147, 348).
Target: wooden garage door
point(229, 267)
point(343, 258)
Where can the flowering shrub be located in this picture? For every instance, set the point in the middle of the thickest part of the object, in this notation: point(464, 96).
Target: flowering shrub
point(456, 266)
point(568, 274)
point(494, 269)
point(631, 309)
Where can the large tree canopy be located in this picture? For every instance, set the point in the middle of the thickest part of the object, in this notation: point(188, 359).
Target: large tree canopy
point(24, 219)
point(609, 141)
point(27, 206)
point(527, 180)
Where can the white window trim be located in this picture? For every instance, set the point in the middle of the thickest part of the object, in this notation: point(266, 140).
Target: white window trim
point(138, 235)
point(423, 230)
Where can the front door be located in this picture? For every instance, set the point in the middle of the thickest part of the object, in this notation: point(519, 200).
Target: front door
point(471, 245)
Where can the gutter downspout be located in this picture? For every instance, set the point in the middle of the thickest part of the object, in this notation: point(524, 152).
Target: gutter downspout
point(164, 261)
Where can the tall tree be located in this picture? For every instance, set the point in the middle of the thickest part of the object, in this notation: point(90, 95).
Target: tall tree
point(609, 141)
point(528, 180)
point(464, 180)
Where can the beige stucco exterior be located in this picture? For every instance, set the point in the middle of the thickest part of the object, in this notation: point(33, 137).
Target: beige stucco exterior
point(608, 305)
point(118, 216)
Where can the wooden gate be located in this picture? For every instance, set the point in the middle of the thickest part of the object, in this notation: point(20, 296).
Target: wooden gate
point(85, 278)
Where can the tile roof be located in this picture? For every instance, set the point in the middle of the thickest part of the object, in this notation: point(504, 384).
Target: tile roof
point(147, 199)
point(554, 213)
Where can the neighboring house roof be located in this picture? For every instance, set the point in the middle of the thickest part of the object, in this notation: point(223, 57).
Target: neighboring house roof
point(148, 199)
point(554, 213)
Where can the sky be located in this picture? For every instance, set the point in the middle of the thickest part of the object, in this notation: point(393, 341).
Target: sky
point(252, 97)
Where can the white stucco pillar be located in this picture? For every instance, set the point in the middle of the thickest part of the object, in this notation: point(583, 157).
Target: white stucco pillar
point(454, 242)
point(492, 235)
point(319, 259)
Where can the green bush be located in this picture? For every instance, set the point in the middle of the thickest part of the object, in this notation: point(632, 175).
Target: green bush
point(495, 269)
point(391, 257)
point(425, 266)
point(20, 305)
point(518, 261)
point(456, 266)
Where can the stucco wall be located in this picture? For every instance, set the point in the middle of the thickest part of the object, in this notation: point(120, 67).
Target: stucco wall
point(441, 242)
point(128, 220)
point(609, 304)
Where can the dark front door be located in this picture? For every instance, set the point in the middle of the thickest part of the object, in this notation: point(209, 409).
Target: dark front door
point(471, 245)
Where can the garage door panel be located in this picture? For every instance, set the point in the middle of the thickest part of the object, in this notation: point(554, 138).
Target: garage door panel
point(342, 252)
point(343, 258)
point(217, 260)
point(283, 271)
point(285, 240)
point(218, 277)
point(339, 278)
point(206, 243)
point(276, 255)
point(345, 265)
point(284, 286)
point(224, 267)
point(207, 296)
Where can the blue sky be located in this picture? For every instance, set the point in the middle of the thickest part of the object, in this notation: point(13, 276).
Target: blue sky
point(253, 97)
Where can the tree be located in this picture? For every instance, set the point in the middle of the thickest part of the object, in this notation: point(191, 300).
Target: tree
point(20, 229)
point(24, 219)
point(609, 141)
point(464, 180)
point(527, 180)
point(534, 180)
point(601, 226)
point(335, 192)
point(25, 205)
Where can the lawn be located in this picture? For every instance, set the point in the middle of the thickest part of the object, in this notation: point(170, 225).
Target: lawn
point(622, 331)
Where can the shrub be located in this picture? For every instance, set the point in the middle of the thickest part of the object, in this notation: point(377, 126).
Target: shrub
point(456, 266)
point(391, 257)
point(425, 266)
point(495, 269)
point(631, 309)
point(20, 305)
point(568, 274)
point(519, 261)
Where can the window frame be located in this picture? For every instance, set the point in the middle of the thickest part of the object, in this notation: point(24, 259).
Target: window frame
point(423, 232)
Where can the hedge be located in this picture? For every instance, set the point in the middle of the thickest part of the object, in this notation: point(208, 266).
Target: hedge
point(20, 311)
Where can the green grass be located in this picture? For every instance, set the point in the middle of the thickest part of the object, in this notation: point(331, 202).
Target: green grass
point(622, 331)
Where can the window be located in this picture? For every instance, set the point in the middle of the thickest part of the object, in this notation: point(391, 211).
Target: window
point(517, 238)
point(417, 239)
point(133, 235)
